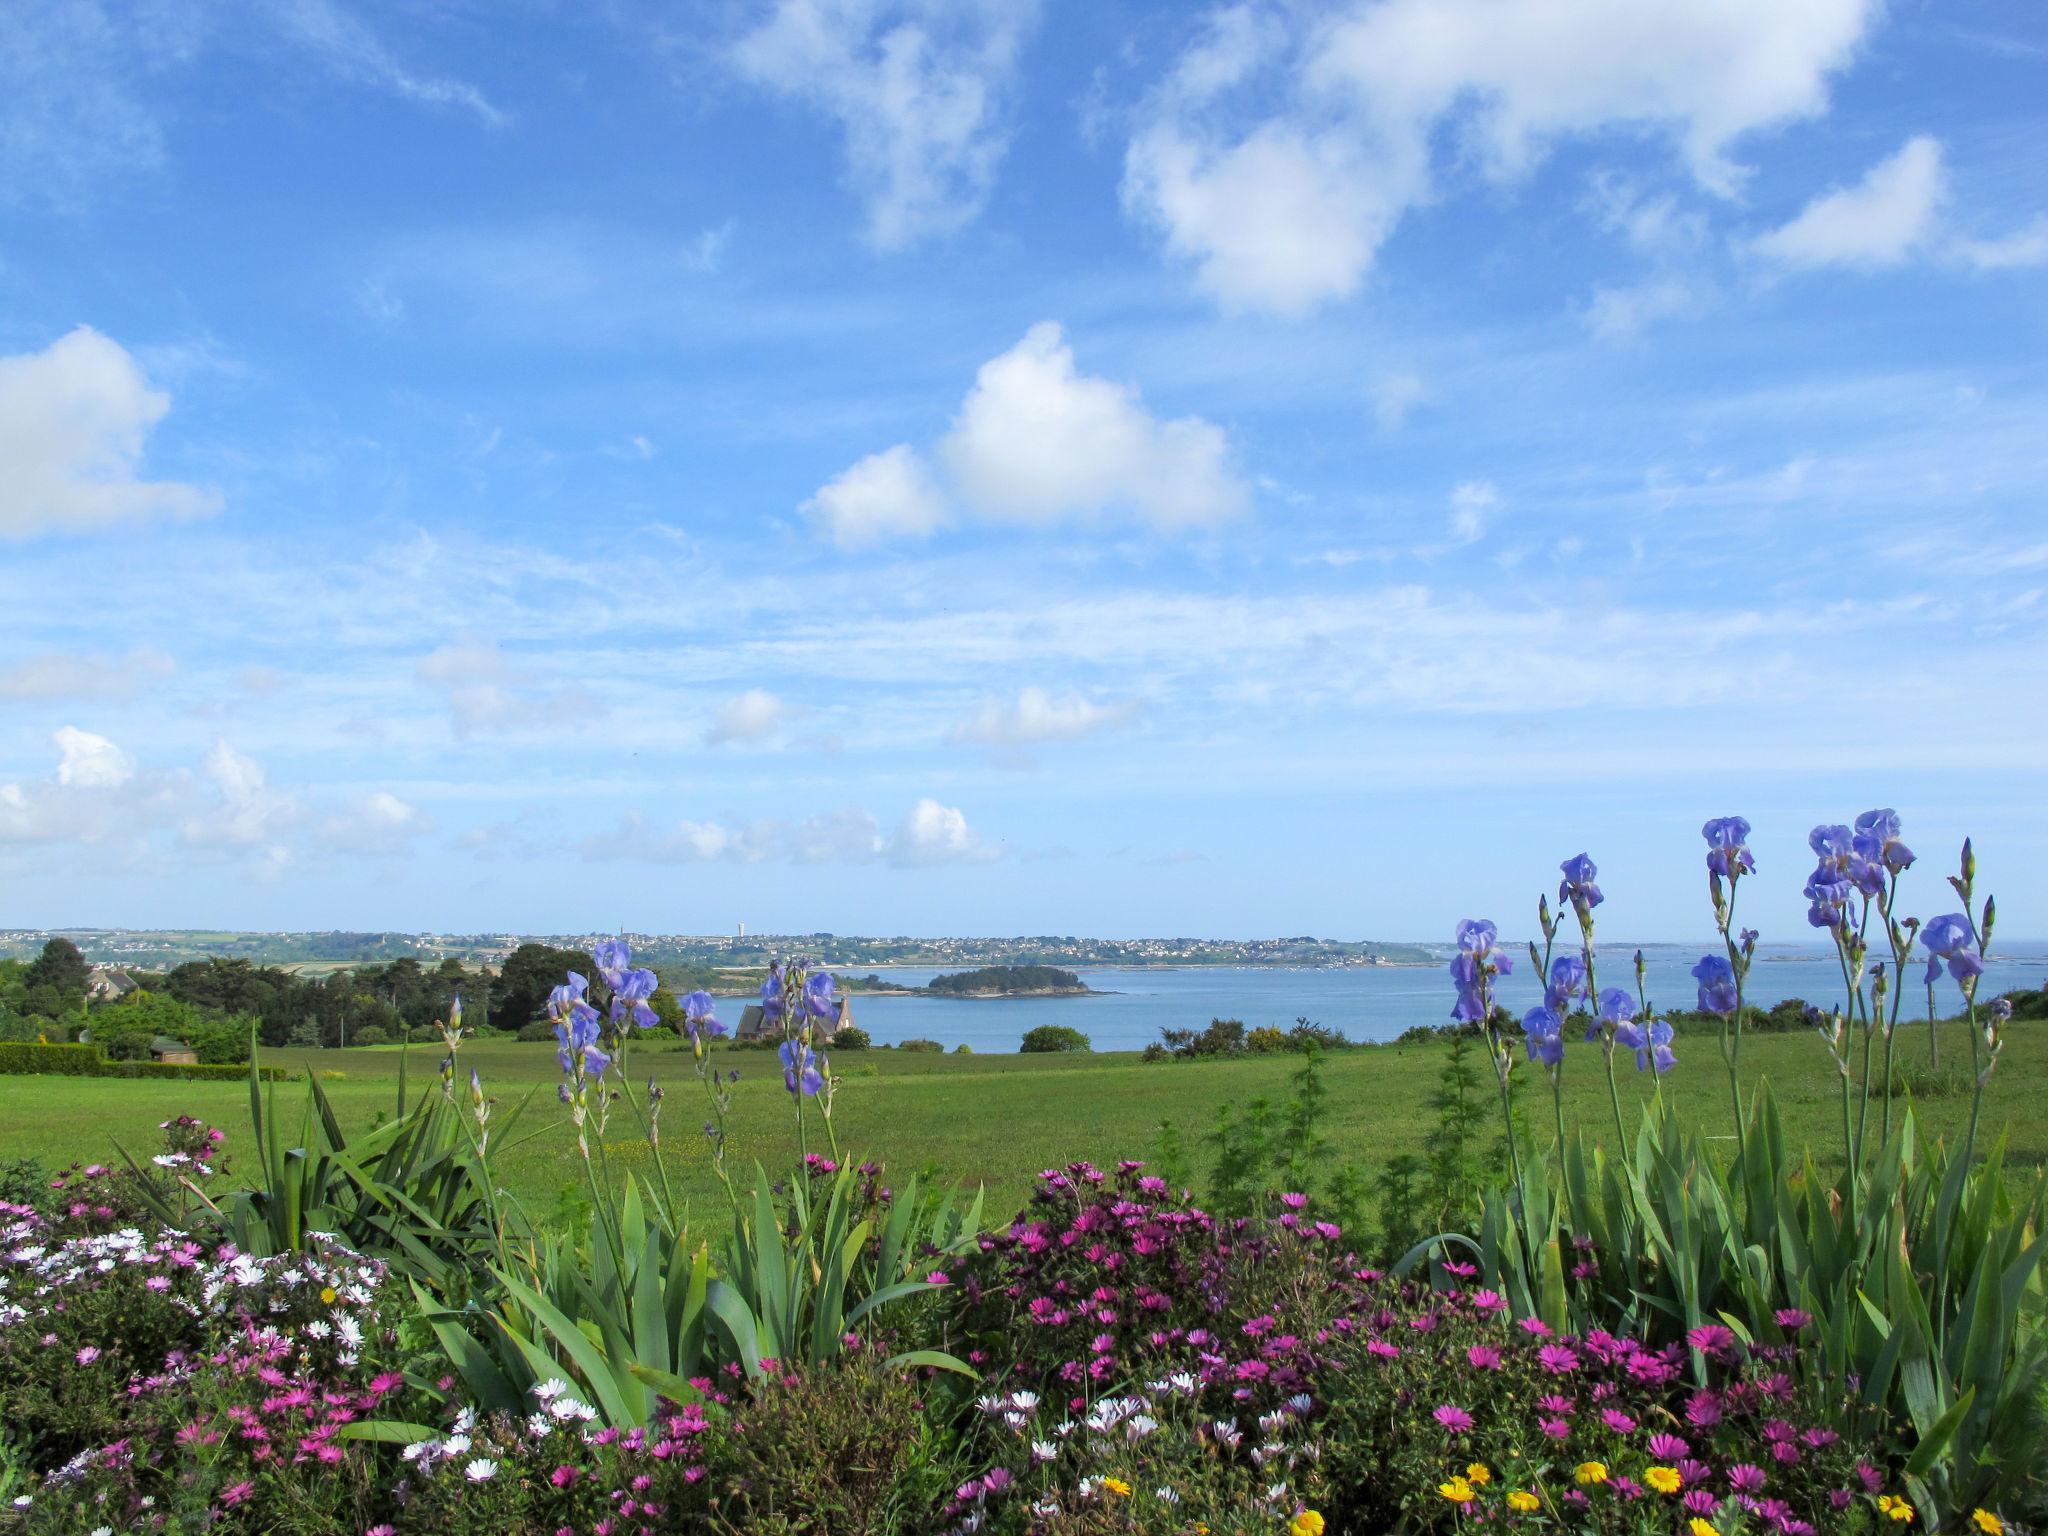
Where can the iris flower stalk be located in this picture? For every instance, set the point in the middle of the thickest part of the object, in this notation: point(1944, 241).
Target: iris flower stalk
point(1475, 968)
point(1838, 877)
point(1545, 1034)
point(702, 1025)
point(1728, 860)
point(632, 990)
point(1961, 942)
point(1578, 888)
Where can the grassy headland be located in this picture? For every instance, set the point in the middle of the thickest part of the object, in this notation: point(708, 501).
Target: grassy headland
point(996, 1120)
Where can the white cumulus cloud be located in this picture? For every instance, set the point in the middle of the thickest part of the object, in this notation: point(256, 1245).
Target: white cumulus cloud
point(886, 495)
point(931, 833)
point(73, 421)
point(1288, 142)
point(87, 761)
point(1037, 441)
point(1035, 717)
point(1878, 222)
point(247, 813)
point(748, 716)
point(917, 86)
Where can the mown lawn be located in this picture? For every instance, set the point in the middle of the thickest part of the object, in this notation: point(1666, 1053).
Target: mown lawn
point(997, 1120)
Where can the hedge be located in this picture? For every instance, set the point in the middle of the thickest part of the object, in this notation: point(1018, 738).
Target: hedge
point(86, 1061)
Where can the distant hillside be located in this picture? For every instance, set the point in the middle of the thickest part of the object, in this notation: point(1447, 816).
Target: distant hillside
point(1009, 981)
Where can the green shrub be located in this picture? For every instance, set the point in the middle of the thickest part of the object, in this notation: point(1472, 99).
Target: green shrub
point(923, 1047)
point(1049, 1038)
point(845, 1449)
point(963, 1049)
point(52, 1060)
point(1222, 1037)
point(852, 1037)
point(532, 1034)
point(86, 1061)
point(370, 1034)
point(1265, 1040)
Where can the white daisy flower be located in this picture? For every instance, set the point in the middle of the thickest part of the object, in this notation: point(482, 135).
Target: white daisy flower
point(482, 1470)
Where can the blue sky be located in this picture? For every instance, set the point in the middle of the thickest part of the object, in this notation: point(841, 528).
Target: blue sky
point(1002, 467)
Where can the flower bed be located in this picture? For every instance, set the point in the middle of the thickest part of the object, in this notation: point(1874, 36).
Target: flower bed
point(1634, 1337)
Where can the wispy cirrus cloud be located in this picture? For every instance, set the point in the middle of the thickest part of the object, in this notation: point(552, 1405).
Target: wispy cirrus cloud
point(919, 90)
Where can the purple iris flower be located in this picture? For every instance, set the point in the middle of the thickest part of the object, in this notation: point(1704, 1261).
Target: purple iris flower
point(1567, 981)
point(1577, 887)
point(771, 992)
point(1832, 845)
point(1951, 938)
point(576, 1039)
point(1476, 935)
point(1546, 1035)
point(613, 958)
point(1829, 888)
point(1476, 962)
point(800, 1068)
point(566, 996)
point(699, 1014)
point(1616, 1006)
point(630, 992)
point(1728, 852)
point(1651, 1043)
point(818, 995)
point(1717, 984)
point(1877, 841)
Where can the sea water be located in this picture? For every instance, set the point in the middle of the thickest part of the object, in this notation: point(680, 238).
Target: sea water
point(1365, 1002)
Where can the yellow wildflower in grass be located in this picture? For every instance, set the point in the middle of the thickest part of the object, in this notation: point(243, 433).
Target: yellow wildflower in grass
point(1479, 1474)
point(1591, 1472)
point(1664, 1479)
point(1891, 1504)
point(1987, 1522)
point(1307, 1523)
point(1117, 1486)
point(1522, 1501)
point(1457, 1490)
point(329, 1294)
point(1701, 1527)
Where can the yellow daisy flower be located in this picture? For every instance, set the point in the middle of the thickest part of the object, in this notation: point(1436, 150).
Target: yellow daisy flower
point(1457, 1490)
point(1701, 1527)
point(1591, 1472)
point(1522, 1501)
point(1117, 1486)
point(1664, 1479)
point(1987, 1522)
point(1891, 1504)
point(329, 1294)
point(1479, 1474)
point(1307, 1523)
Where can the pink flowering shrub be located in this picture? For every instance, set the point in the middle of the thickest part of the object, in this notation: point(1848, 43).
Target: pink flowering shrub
point(1604, 1433)
point(1108, 1279)
point(1150, 1460)
point(1409, 1408)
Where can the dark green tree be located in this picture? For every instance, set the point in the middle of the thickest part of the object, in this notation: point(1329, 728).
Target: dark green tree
point(61, 967)
point(531, 972)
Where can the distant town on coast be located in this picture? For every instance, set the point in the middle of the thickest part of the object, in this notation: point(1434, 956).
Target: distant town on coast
point(156, 948)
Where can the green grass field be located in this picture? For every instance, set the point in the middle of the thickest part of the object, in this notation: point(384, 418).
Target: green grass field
point(997, 1120)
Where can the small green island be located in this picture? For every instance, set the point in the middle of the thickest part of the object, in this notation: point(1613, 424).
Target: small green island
point(1009, 981)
